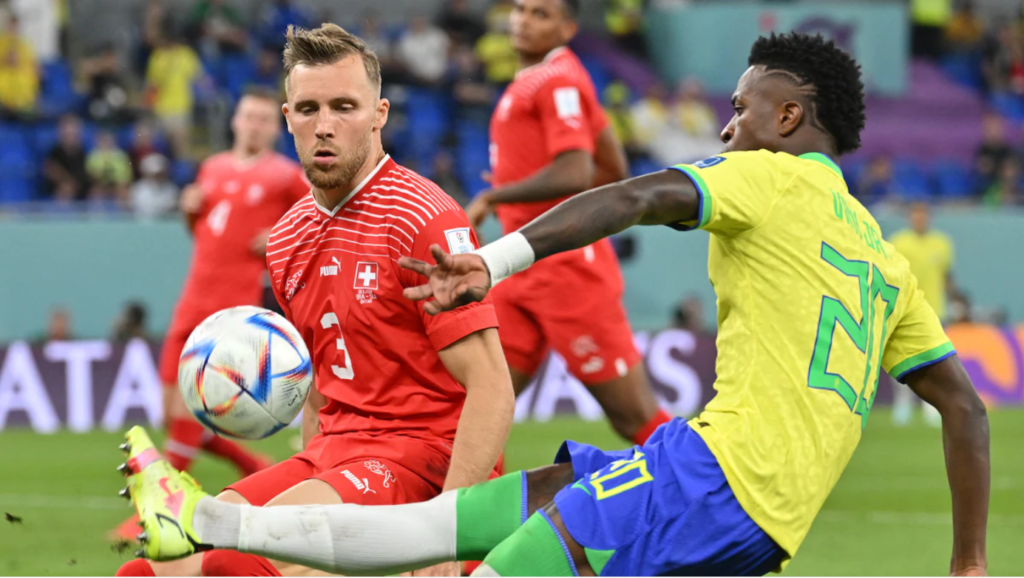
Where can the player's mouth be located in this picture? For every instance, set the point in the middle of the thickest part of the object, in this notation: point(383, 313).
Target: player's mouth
point(324, 157)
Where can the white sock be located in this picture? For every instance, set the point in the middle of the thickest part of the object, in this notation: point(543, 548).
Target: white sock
point(342, 538)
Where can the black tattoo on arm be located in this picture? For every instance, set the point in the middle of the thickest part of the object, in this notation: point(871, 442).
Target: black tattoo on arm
point(660, 198)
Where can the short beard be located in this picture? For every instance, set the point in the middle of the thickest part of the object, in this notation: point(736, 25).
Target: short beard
point(339, 175)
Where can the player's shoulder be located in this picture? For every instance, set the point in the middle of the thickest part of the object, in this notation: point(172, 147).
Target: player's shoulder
point(562, 67)
point(421, 196)
point(300, 215)
point(221, 161)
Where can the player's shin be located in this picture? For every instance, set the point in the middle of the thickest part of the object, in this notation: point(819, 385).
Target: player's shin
point(350, 539)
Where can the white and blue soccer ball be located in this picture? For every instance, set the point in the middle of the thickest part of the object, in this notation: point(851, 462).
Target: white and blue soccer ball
point(245, 372)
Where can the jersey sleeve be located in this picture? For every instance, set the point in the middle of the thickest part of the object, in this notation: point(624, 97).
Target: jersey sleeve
point(566, 116)
point(737, 191)
point(452, 232)
point(918, 339)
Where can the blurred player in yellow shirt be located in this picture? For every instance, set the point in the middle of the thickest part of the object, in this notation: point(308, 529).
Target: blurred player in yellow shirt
point(930, 255)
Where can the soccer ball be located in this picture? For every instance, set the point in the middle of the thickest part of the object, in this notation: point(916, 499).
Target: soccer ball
point(245, 372)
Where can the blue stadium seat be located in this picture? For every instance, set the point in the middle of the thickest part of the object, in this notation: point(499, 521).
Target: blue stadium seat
point(911, 180)
point(598, 72)
point(1008, 105)
point(964, 68)
point(953, 180)
point(57, 93)
point(235, 72)
point(852, 171)
point(18, 167)
point(183, 172)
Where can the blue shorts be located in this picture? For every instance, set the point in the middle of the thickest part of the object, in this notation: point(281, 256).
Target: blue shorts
point(665, 508)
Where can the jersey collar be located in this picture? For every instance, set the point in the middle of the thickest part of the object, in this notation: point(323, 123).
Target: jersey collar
point(825, 160)
point(548, 58)
point(359, 187)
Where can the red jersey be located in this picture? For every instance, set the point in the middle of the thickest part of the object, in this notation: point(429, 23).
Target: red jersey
point(336, 275)
point(549, 108)
point(240, 200)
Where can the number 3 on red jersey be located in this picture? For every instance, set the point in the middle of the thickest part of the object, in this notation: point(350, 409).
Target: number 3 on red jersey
point(345, 372)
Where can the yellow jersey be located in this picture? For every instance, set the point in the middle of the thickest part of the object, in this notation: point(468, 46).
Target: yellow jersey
point(930, 257)
point(812, 302)
point(171, 72)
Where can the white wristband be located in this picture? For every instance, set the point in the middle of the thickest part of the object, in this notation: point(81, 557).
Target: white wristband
point(507, 256)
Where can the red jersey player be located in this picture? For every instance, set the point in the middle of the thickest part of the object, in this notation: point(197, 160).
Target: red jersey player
point(237, 197)
point(406, 404)
point(550, 139)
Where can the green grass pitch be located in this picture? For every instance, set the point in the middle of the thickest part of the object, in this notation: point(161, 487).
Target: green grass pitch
point(889, 515)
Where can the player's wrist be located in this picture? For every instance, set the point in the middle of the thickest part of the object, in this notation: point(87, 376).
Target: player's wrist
point(507, 256)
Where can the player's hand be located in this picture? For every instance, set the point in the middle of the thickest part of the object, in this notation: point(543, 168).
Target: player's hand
point(259, 243)
point(479, 208)
point(191, 199)
point(455, 280)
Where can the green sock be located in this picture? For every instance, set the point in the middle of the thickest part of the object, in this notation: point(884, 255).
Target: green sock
point(488, 513)
point(535, 549)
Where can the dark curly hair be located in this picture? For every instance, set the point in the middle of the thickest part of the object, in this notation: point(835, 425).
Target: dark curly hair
point(828, 76)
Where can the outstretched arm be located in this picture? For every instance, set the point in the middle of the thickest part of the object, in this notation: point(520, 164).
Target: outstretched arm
point(947, 387)
point(661, 198)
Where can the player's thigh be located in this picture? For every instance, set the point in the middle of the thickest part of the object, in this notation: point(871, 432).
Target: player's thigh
point(170, 351)
point(540, 547)
point(174, 404)
point(192, 566)
point(520, 332)
point(628, 400)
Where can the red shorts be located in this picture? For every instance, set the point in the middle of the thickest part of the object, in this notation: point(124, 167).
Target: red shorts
point(170, 351)
point(571, 303)
point(363, 469)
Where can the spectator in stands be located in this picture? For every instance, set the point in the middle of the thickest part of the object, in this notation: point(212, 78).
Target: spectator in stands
point(470, 89)
point(930, 255)
point(217, 28)
point(64, 172)
point(423, 49)
point(268, 70)
point(58, 327)
point(443, 174)
point(103, 79)
point(693, 113)
point(965, 30)
point(688, 315)
point(172, 71)
point(624, 20)
point(19, 71)
point(650, 116)
point(1003, 61)
point(154, 195)
point(616, 100)
point(690, 132)
point(876, 184)
point(391, 69)
point(40, 25)
point(143, 144)
point(130, 323)
point(993, 153)
point(461, 25)
point(109, 169)
point(495, 47)
point(275, 20)
point(929, 19)
point(1006, 189)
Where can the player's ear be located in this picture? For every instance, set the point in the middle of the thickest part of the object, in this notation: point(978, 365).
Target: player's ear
point(381, 117)
point(287, 119)
point(791, 114)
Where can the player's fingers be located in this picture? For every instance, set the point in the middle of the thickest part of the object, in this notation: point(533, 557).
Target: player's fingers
point(416, 266)
point(442, 259)
point(486, 176)
point(418, 293)
point(432, 308)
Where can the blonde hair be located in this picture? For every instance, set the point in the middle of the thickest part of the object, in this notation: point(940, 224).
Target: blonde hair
point(326, 45)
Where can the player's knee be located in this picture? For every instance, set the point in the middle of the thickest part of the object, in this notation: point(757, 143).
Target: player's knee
point(232, 563)
point(135, 567)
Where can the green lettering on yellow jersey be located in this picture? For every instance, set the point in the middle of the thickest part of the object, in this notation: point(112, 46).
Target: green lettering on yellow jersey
point(812, 305)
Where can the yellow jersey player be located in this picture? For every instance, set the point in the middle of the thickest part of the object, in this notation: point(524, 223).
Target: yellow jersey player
point(812, 304)
point(930, 255)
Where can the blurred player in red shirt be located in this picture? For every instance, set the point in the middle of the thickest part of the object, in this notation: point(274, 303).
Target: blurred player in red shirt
point(237, 197)
point(385, 424)
point(550, 139)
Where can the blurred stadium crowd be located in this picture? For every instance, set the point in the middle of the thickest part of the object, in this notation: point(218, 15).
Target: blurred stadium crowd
point(120, 126)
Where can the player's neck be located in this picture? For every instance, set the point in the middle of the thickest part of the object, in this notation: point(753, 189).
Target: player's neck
point(528, 60)
point(246, 156)
point(331, 198)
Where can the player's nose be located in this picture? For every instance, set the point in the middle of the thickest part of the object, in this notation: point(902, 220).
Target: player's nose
point(324, 127)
